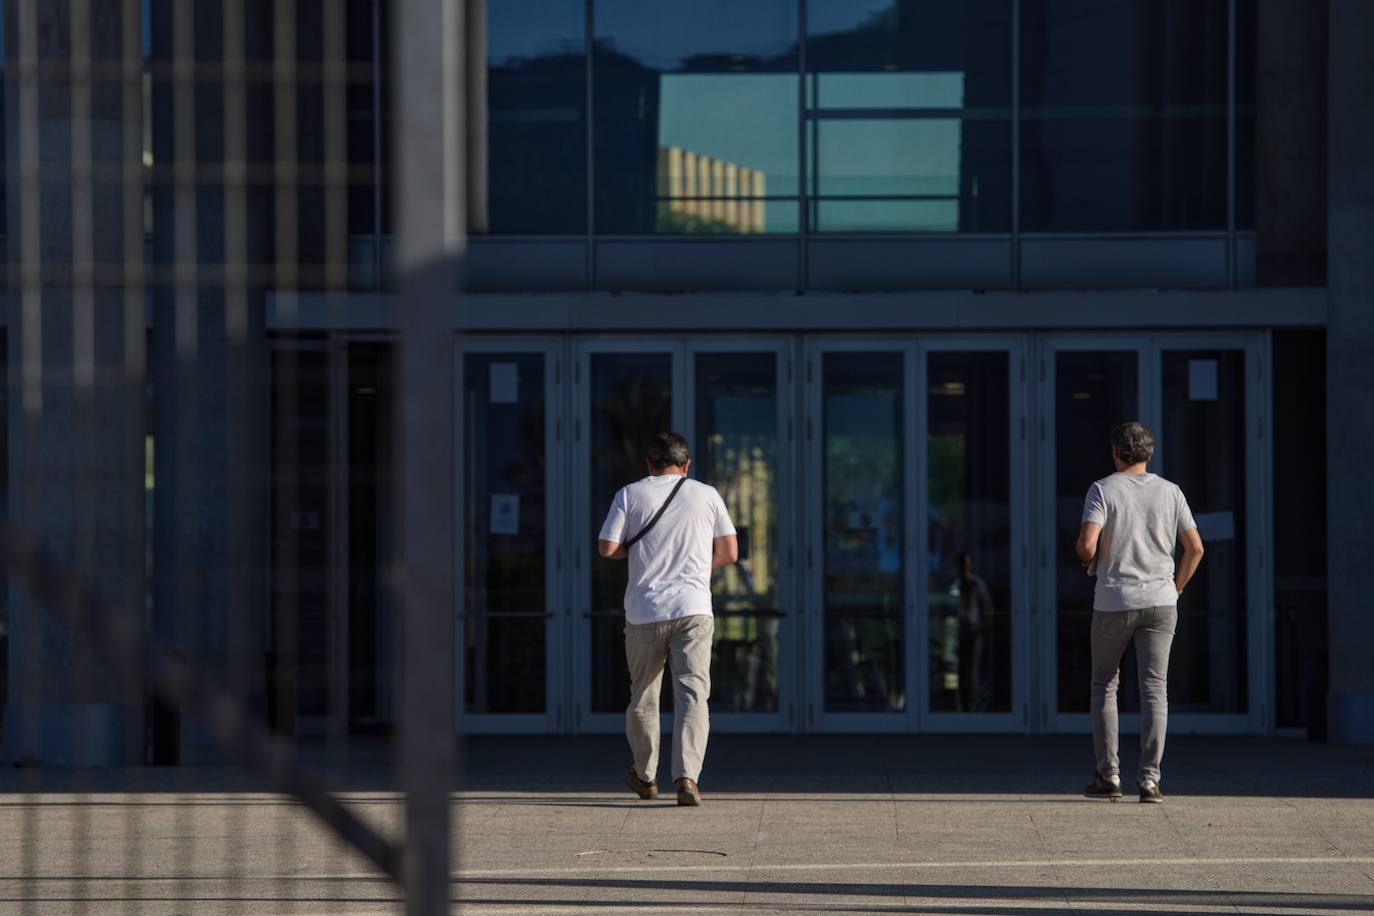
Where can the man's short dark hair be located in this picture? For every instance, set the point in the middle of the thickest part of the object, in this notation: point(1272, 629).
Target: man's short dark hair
point(1134, 443)
point(667, 450)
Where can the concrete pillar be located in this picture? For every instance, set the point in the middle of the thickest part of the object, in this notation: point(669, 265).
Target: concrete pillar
point(76, 356)
point(1290, 143)
point(1350, 381)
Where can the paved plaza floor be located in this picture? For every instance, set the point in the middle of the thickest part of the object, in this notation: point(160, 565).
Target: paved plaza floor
point(835, 824)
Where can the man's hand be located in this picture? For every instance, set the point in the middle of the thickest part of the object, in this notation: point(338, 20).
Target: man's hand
point(612, 550)
point(1192, 556)
point(1086, 546)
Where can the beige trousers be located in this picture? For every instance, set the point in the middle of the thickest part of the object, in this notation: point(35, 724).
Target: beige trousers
point(685, 646)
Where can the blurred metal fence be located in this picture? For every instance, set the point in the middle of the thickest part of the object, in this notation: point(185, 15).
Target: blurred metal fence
point(169, 165)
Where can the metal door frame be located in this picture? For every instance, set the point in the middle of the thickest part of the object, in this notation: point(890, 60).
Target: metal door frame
point(556, 614)
point(1149, 349)
point(813, 513)
point(681, 348)
point(1017, 718)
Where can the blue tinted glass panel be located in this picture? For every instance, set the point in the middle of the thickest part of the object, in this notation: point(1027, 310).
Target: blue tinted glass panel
point(1124, 115)
point(908, 108)
point(696, 124)
point(1246, 64)
point(536, 117)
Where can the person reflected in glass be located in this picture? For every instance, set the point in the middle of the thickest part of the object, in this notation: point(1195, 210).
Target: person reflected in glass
point(675, 532)
point(1132, 523)
point(975, 626)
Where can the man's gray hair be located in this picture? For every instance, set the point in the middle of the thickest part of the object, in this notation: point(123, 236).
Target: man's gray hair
point(1134, 443)
point(668, 450)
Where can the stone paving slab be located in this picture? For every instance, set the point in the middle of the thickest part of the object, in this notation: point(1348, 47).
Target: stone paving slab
point(789, 825)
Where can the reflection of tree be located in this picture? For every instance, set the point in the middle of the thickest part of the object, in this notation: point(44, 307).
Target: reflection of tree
point(676, 221)
point(862, 475)
point(743, 473)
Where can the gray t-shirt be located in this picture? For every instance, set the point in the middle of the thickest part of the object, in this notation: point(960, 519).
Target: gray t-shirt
point(1141, 516)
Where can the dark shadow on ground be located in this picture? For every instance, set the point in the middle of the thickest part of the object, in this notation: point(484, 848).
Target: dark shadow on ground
point(932, 766)
point(1119, 900)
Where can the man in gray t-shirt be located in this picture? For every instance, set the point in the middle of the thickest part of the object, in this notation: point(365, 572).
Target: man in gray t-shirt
point(1132, 522)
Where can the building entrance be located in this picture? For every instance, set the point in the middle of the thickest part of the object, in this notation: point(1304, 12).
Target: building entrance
point(906, 507)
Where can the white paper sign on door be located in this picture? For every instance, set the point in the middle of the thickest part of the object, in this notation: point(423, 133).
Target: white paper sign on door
point(505, 513)
point(505, 383)
point(1202, 380)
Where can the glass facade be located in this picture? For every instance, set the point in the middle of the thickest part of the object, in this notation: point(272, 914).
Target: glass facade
point(536, 119)
point(818, 117)
point(695, 127)
point(1123, 115)
point(908, 116)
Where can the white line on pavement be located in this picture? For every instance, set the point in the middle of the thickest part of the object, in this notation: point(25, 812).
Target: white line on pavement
point(884, 866)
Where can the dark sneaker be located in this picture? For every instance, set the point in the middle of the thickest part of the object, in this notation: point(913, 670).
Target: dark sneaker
point(1149, 792)
point(688, 795)
point(1103, 787)
point(645, 790)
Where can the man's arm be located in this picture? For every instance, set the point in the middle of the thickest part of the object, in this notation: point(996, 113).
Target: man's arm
point(724, 551)
point(1087, 542)
point(1192, 556)
point(612, 550)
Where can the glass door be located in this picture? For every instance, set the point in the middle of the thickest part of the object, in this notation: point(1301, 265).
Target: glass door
point(1194, 394)
point(729, 398)
point(1211, 443)
point(859, 436)
point(975, 574)
point(509, 546)
point(1087, 387)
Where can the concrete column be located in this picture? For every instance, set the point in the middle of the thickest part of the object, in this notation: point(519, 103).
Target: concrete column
point(75, 348)
point(1350, 381)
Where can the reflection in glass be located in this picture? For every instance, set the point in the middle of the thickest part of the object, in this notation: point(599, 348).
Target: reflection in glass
point(1203, 446)
point(696, 124)
point(1093, 392)
point(504, 541)
point(1124, 114)
point(736, 447)
point(372, 499)
point(969, 524)
point(864, 598)
point(536, 117)
point(631, 400)
point(908, 108)
point(1247, 63)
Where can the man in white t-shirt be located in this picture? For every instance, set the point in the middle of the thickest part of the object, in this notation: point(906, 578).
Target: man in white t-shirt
point(675, 533)
point(1132, 523)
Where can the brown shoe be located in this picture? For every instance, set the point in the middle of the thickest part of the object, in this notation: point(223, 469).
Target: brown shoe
point(688, 795)
point(645, 790)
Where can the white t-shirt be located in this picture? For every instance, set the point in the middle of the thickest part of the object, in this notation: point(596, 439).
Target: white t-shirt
point(670, 567)
point(1141, 516)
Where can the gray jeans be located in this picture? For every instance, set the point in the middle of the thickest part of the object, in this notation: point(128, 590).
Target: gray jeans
point(685, 646)
point(1153, 629)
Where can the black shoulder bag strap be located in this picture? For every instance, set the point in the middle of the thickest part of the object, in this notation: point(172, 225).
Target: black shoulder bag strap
point(658, 515)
